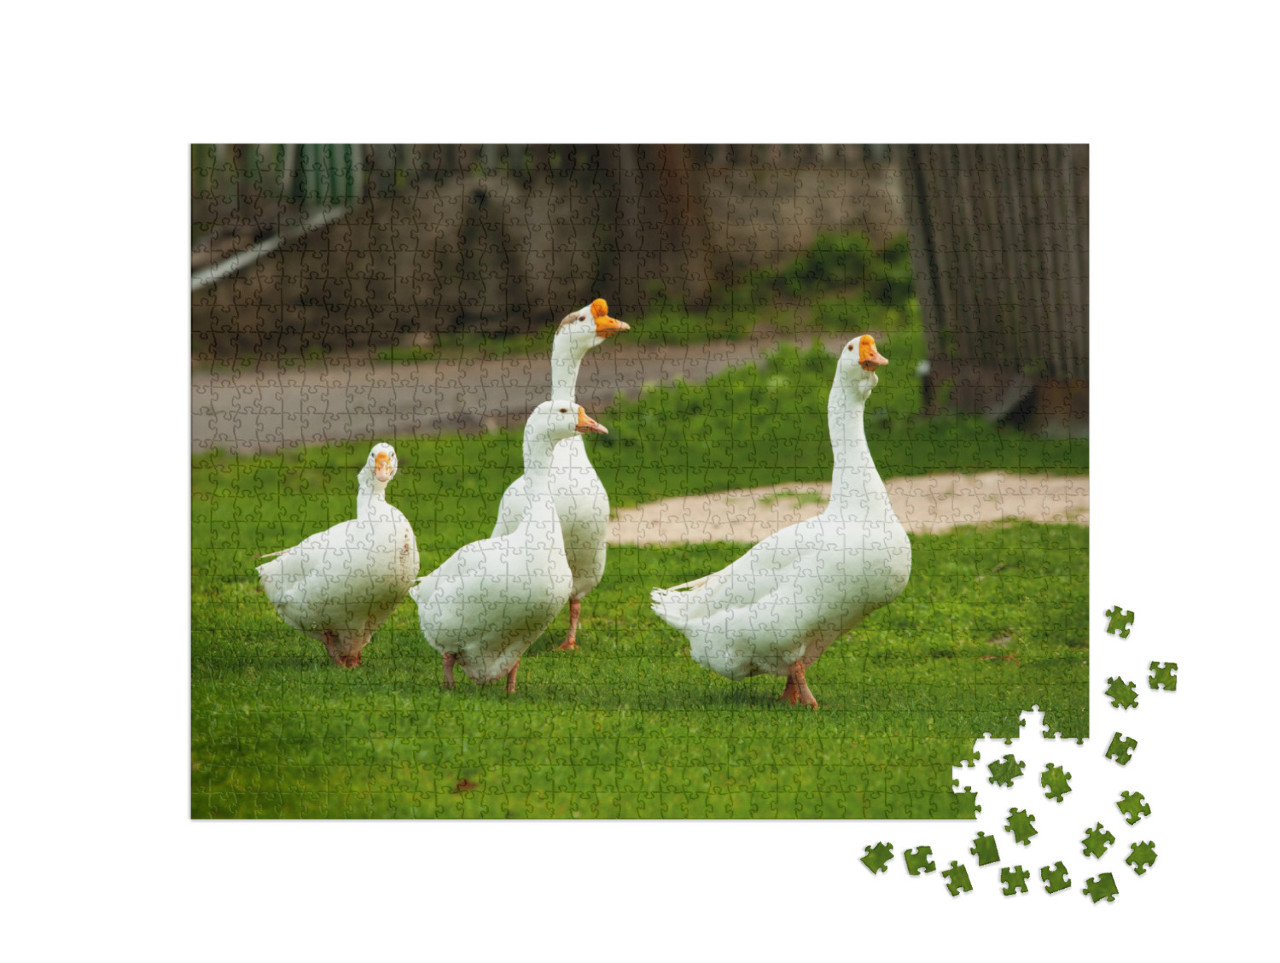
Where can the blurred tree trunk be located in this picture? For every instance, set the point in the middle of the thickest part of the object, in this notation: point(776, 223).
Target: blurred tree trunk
point(659, 248)
point(686, 264)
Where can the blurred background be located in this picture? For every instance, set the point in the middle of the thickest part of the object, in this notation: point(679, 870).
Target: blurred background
point(406, 252)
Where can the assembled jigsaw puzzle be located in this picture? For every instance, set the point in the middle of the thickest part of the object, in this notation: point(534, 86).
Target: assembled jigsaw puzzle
point(652, 481)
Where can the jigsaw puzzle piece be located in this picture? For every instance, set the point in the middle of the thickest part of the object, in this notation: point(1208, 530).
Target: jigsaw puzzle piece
point(1014, 879)
point(918, 860)
point(1103, 886)
point(984, 847)
point(1133, 806)
point(1141, 856)
point(1054, 780)
point(1123, 694)
point(1019, 823)
point(1006, 770)
point(1163, 676)
point(1121, 749)
point(877, 858)
point(1055, 879)
point(968, 800)
point(957, 879)
point(1096, 841)
point(1119, 622)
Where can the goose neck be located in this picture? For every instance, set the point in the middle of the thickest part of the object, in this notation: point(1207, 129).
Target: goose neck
point(540, 510)
point(564, 371)
point(372, 498)
point(856, 486)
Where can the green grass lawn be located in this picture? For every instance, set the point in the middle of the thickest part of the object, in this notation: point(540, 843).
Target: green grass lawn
point(993, 621)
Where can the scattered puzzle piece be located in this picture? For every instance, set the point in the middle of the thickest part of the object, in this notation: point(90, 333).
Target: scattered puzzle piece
point(1019, 823)
point(1014, 879)
point(918, 860)
point(1096, 841)
point(1141, 856)
point(1055, 879)
point(1054, 779)
point(1119, 621)
point(1123, 694)
point(1004, 772)
point(984, 847)
point(1133, 806)
point(877, 859)
point(1103, 886)
point(957, 879)
point(1163, 676)
point(1121, 749)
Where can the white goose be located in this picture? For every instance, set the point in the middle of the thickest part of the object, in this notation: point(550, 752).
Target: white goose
point(491, 599)
point(581, 501)
point(339, 585)
point(778, 607)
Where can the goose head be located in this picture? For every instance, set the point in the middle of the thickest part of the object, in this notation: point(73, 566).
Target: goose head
point(584, 329)
point(858, 363)
point(380, 467)
point(554, 421)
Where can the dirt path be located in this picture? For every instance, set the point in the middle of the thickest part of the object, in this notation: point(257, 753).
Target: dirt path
point(260, 409)
point(929, 504)
point(257, 410)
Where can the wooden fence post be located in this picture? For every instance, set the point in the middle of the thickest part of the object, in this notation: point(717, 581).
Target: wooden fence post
point(999, 246)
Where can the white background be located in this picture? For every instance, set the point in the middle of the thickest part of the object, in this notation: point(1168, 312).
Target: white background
point(101, 105)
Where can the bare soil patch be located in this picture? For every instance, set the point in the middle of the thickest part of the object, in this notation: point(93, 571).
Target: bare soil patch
point(927, 504)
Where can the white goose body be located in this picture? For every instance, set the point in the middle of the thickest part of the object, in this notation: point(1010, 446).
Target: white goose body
point(582, 506)
point(580, 498)
point(339, 585)
point(781, 605)
point(491, 599)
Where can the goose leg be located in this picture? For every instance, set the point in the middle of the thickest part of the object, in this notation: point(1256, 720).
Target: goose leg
point(789, 691)
point(357, 657)
point(797, 690)
point(343, 652)
point(449, 659)
point(570, 642)
point(511, 677)
point(330, 641)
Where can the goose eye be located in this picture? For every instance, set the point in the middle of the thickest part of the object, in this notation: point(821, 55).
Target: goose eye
point(564, 411)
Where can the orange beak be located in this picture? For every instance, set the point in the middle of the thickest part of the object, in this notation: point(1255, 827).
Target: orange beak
point(586, 424)
point(606, 325)
point(382, 468)
point(868, 356)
